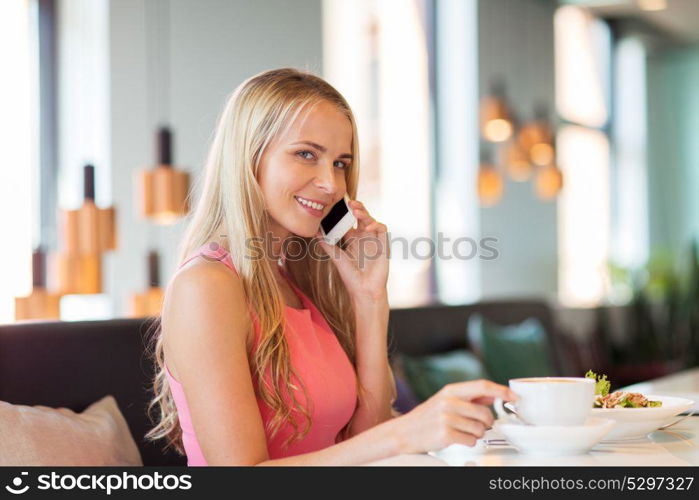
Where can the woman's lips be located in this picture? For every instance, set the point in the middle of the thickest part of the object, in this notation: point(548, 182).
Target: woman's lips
point(310, 210)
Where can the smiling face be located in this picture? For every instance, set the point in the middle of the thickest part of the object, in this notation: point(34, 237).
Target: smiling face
point(302, 172)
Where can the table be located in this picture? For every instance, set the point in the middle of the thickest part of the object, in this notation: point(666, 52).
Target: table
point(677, 445)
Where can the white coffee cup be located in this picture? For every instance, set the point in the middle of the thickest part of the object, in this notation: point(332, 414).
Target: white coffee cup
point(550, 400)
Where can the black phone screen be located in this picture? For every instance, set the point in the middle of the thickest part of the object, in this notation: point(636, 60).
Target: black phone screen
point(337, 212)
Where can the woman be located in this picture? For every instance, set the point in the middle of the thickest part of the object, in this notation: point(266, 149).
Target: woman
point(264, 359)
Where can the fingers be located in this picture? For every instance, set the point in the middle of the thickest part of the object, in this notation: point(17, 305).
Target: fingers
point(363, 219)
point(361, 214)
point(366, 223)
point(352, 233)
point(472, 411)
point(447, 435)
point(344, 259)
point(484, 400)
point(466, 425)
point(479, 388)
point(376, 227)
point(463, 422)
point(358, 208)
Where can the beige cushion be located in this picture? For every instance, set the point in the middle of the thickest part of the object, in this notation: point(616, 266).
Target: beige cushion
point(39, 435)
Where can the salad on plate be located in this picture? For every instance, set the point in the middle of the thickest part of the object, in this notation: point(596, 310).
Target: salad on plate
point(617, 399)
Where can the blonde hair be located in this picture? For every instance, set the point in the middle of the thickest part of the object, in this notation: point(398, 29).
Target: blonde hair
point(260, 109)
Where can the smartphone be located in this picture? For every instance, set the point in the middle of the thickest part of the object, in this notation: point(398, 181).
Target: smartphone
point(338, 221)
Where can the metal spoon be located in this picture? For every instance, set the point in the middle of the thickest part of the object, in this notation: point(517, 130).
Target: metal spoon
point(677, 421)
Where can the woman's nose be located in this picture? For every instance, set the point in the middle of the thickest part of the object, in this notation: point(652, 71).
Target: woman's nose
point(325, 179)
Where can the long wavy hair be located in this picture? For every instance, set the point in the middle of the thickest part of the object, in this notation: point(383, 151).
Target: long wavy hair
point(258, 110)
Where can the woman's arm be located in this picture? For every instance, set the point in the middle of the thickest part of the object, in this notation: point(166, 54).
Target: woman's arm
point(363, 266)
point(206, 325)
point(205, 328)
point(377, 388)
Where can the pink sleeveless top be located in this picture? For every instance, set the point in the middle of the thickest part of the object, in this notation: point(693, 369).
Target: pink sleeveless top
point(318, 360)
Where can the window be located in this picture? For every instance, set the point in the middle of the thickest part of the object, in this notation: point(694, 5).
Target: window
point(583, 154)
point(457, 207)
point(582, 48)
point(376, 55)
point(19, 213)
point(630, 242)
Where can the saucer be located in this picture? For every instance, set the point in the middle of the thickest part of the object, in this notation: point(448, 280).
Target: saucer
point(554, 439)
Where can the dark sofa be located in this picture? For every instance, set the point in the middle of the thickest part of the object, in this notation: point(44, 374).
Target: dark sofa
point(440, 328)
point(73, 364)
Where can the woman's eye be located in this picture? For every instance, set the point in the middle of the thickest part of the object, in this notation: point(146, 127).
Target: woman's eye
point(309, 155)
point(306, 155)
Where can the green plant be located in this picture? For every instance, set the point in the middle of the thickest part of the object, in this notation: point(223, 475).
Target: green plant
point(664, 305)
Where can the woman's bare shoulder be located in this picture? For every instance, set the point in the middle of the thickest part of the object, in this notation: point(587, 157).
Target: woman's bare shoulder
point(204, 281)
point(198, 274)
point(204, 302)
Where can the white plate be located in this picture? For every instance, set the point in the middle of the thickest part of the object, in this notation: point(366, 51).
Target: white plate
point(553, 440)
point(636, 423)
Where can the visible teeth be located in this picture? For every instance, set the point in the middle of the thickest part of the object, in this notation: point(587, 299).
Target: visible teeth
point(312, 204)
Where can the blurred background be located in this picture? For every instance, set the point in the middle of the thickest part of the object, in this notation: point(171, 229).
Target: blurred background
point(550, 146)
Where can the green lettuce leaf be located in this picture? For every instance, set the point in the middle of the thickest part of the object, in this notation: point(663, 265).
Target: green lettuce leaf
point(602, 385)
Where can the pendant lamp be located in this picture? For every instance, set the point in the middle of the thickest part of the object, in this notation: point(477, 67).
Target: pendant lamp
point(536, 138)
point(150, 302)
point(549, 182)
point(490, 184)
point(85, 234)
point(516, 161)
point(495, 120)
point(163, 189)
point(40, 303)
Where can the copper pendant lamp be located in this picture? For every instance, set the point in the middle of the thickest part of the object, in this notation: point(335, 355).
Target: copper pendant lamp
point(85, 234)
point(536, 138)
point(490, 181)
point(495, 119)
point(516, 161)
point(164, 189)
point(40, 303)
point(149, 303)
point(549, 182)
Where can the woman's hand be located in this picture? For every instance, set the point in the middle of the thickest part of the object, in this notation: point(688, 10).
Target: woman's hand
point(363, 264)
point(458, 413)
